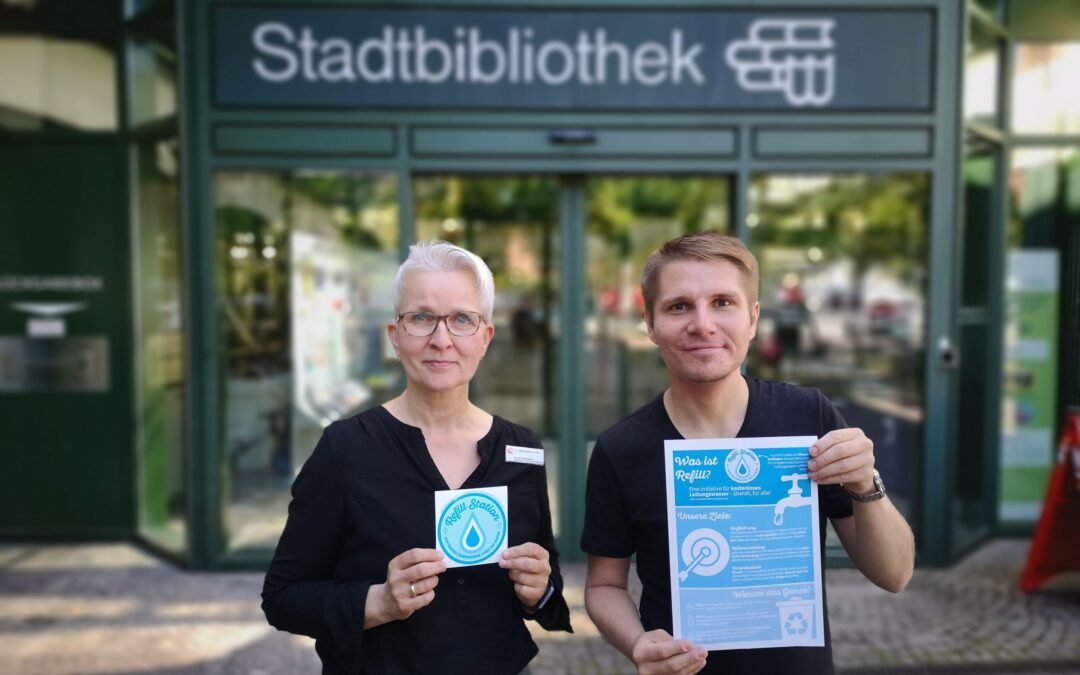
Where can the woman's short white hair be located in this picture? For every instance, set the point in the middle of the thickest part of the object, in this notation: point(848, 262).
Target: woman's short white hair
point(440, 256)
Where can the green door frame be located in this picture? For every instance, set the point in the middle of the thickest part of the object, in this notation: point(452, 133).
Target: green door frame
point(216, 140)
point(990, 314)
point(571, 355)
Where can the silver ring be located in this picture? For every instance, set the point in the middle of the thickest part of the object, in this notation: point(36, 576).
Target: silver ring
point(413, 589)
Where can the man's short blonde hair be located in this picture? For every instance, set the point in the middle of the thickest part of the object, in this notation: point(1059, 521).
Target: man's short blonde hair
point(706, 246)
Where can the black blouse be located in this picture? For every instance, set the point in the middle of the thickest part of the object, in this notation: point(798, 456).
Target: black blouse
point(366, 495)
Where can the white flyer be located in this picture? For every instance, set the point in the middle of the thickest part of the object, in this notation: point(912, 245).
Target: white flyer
point(743, 543)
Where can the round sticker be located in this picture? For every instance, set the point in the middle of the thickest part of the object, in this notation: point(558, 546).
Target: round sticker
point(742, 465)
point(471, 528)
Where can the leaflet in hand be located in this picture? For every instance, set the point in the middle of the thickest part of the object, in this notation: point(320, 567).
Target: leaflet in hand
point(743, 542)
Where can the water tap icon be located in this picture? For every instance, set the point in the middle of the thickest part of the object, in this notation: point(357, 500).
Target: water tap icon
point(794, 499)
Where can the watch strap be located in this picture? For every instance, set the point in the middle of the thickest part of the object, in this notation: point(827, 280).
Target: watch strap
point(544, 599)
point(877, 493)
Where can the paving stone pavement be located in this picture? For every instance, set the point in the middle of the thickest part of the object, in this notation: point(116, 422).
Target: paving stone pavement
point(112, 608)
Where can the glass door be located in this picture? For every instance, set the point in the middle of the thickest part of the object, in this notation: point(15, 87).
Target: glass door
point(980, 255)
point(160, 381)
point(627, 218)
point(304, 262)
point(843, 303)
point(512, 222)
point(567, 251)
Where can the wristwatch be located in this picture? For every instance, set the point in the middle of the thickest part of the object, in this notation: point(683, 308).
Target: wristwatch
point(544, 599)
point(877, 493)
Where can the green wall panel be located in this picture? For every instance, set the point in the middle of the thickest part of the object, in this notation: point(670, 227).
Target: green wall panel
point(67, 454)
point(865, 142)
point(642, 142)
point(364, 141)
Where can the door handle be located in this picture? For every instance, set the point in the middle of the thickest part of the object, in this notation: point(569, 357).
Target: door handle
point(948, 355)
point(572, 136)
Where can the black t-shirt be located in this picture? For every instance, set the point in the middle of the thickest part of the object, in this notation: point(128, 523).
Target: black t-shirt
point(367, 494)
point(626, 508)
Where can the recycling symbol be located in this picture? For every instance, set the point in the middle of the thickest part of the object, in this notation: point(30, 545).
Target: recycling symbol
point(796, 624)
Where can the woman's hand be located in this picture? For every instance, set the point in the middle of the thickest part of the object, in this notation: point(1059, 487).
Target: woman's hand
point(529, 570)
point(411, 579)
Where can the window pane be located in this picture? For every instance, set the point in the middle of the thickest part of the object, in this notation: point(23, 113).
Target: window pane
point(980, 167)
point(512, 223)
point(139, 8)
point(1044, 214)
point(159, 334)
point(49, 82)
point(981, 69)
point(843, 275)
point(305, 265)
point(992, 7)
point(629, 218)
point(1045, 96)
point(972, 511)
point(153, 81)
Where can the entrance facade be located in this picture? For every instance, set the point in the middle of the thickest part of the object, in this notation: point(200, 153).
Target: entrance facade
point(312, 206)
point(307, 257)
point(281, 158)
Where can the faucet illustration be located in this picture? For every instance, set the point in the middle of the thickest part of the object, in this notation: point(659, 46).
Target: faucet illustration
point(794, 499)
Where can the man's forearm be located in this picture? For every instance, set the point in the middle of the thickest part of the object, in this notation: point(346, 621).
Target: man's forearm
point(613, 612)
point(884, 548)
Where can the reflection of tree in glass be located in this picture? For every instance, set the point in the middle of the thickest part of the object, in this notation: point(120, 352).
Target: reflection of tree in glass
point(358, 204)
point(636, 214)
point(867, 219)
point(617, 204)
point(494, 217)
point(488, 200)
point(865, 228)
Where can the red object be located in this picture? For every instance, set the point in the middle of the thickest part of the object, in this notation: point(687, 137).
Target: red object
point(1056, 545)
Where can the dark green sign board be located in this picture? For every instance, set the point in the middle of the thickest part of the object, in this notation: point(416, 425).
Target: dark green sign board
point(323, 57)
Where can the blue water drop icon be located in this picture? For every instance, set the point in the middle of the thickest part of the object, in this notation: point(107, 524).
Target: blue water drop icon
point(741, 469)
point(473, 538)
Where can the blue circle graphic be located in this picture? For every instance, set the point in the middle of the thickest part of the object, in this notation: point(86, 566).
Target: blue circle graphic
point(471, 528)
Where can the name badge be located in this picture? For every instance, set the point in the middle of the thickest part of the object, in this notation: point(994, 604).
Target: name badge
point(516, 453)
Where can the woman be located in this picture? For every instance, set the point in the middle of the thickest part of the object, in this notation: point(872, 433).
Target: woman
point(355, 567)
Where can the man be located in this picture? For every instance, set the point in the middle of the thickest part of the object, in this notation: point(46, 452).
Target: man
point(701, 310)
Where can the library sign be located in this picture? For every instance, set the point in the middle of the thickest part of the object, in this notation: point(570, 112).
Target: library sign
point(335, 57)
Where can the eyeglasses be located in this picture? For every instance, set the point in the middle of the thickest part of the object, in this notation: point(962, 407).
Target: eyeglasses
point(423, 324)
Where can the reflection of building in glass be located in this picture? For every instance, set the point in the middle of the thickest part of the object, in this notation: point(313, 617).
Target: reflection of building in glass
point(308, 261)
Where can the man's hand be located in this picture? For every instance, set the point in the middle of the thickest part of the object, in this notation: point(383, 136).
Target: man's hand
point(657, 652)
point(530, 570)
point(877, 537)
point(843, 456)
